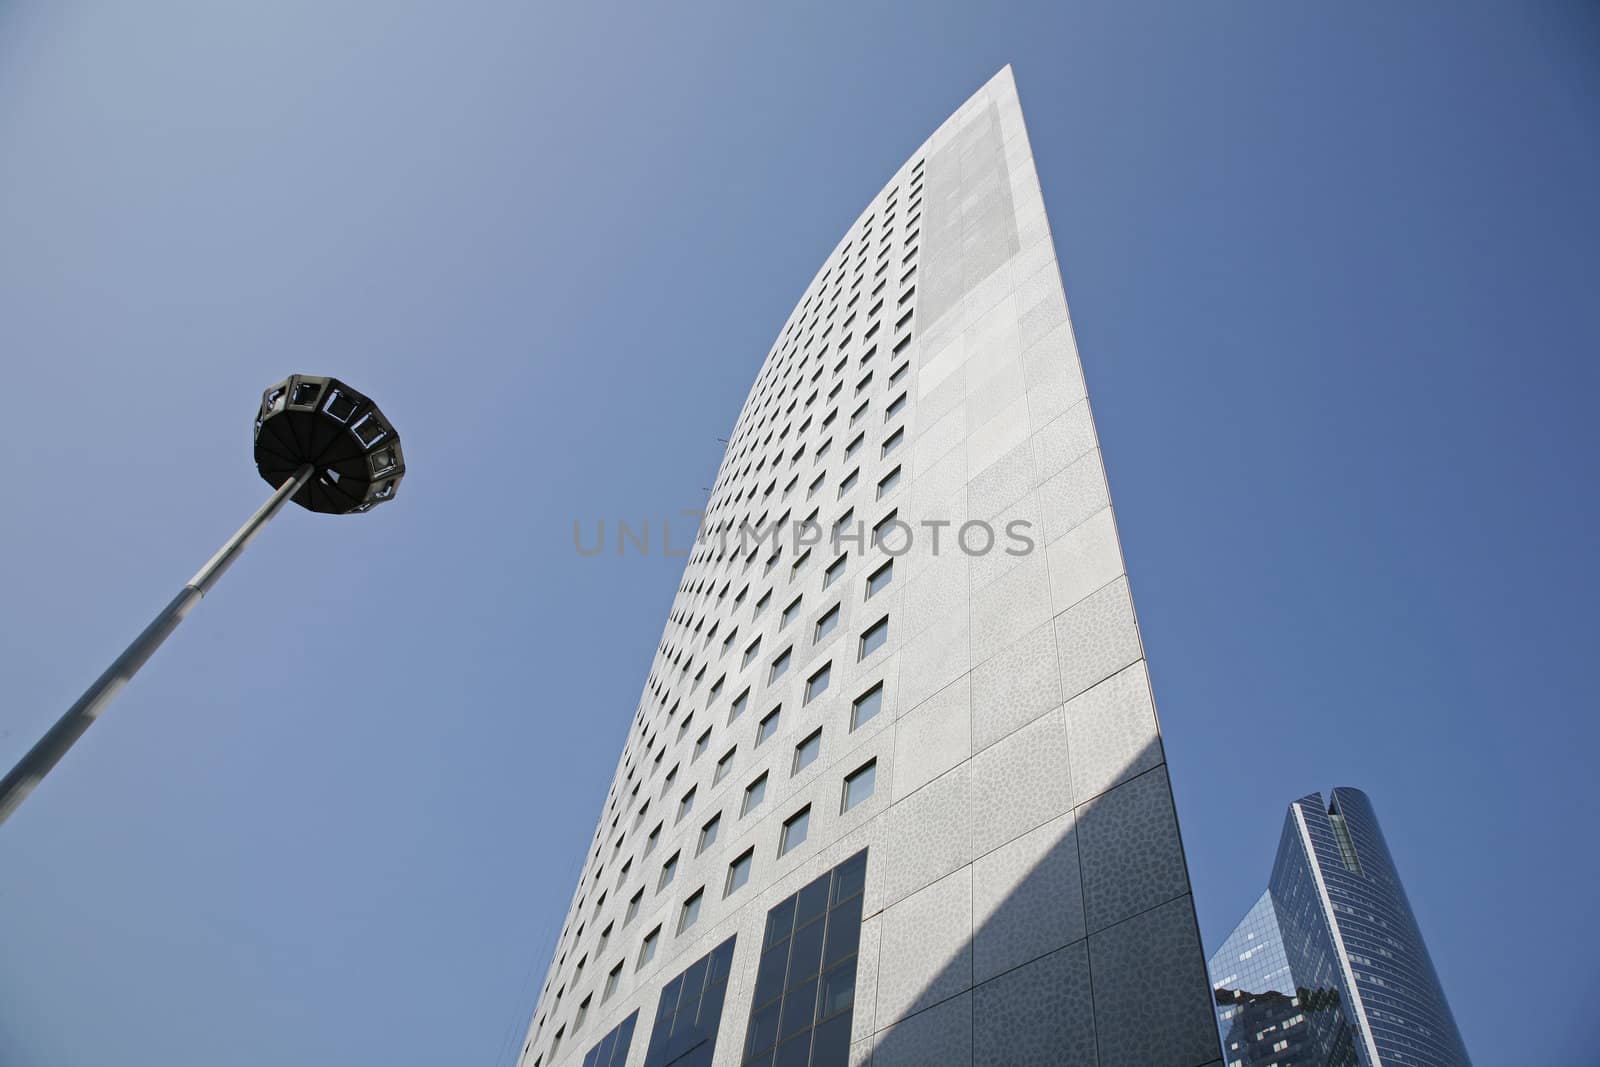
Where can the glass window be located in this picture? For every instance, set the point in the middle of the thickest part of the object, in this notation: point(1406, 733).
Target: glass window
point(887, 483)
point(794, 830)
point(892, 442)
point(817, 684)
point(807, 751)
point(849, 482)
point(835, 569)
point(874, 636)
point(611, 982)
point(768, 726)
point(633, 908)
point(689, 1013)
point(805, 977)
point(859, 784)
point(724, 765)
point(708, 833)
point(691, 910)
point(880, 578)
point(647, 950)
point(739, 872)
point(685, 806)
point(866, 706)
point(789, 613)
point(669, 870)
point(754, 794)
point(739, 703)
point(779, 666)
point(752, 652)
point(827, 623)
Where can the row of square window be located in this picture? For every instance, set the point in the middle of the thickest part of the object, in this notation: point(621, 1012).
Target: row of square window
point(752, 418)
point(695, 587)
point(878, 633)
point(897, 405)
point(784, 351)
point(858, 786)
point(739, 466)
point(876, 581)
point(870, 640)
point(780, 360)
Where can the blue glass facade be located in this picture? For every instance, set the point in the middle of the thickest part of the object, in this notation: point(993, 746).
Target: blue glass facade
point(1329, 969)
point(689, 1012)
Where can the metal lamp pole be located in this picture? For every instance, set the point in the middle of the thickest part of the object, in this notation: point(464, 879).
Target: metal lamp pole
point(306, 425)
point(32, 768)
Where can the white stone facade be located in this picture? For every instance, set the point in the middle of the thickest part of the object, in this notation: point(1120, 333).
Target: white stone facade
point(1027, 899)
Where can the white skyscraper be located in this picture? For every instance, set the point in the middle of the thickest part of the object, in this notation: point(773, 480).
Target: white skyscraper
point(895, 792)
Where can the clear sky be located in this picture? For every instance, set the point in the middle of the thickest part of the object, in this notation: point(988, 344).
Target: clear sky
point(1333, 272)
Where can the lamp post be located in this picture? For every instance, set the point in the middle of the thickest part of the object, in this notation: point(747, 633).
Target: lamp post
point(317, 442)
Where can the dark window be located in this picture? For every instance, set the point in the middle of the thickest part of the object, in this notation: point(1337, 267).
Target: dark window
point(806, 976)
point(690, 1010)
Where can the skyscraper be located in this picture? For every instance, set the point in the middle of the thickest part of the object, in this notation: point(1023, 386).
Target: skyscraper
point(1329, 969)
point(895, 791)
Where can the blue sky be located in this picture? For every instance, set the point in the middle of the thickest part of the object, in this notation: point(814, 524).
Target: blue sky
point(1332, 272)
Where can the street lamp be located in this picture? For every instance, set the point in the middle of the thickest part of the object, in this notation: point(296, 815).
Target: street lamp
point(318, 442)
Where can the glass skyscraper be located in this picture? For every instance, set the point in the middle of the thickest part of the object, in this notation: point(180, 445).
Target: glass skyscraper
point(1329, 969)
point(895, 792)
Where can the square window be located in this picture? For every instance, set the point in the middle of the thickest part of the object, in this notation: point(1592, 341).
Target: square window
point(817, 684)
point(807, 751)
point(739, 704)
point(780, 666)
point(874, 636)
point(708, 833)
point(866, 706)
point(794, 830)
point(897, 405)
point(849, 482)
point(835, 569)
point(647, 950)
point(761, 605)
point(754, 794)
point(789, 613)
point(859, 784)
point(853, 446)
point(768, 727)
point(751, 653)
point(691, 910)
point(843, 523)
point(859, 413)
point(633, 908)
point(669, 870)
point(827, 623)
point(892, 442)
point(887, 483)
point(886, 526)
point(685, 806)
point(879, 579)
point(611, 982)
point(653, 840)
point(739, 872)
point(701, 744)
point(799, 564)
